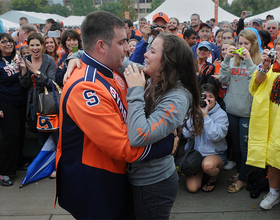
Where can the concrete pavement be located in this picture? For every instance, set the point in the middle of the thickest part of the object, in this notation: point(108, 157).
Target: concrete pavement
point(35, 201)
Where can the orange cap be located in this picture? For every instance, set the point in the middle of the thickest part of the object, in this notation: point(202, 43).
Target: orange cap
point(161, 15)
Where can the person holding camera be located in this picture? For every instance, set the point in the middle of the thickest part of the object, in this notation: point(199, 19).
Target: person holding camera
point(211, 144)
point(237, 69)
point(263, 147)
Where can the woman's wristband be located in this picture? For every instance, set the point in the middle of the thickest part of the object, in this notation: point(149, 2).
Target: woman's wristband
point(262, 69)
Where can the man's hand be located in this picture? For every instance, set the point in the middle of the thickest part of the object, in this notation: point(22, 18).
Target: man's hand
point(72, 64)
point(243, 15)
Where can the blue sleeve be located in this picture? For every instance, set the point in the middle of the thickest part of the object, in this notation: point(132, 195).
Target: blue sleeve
point(2, 29)
point(159, 149)
point(194, 50)
point(138, 54)
point(218, 53)
point(61, 70)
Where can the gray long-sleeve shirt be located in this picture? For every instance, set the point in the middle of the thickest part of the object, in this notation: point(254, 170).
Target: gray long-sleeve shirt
point(168, 114)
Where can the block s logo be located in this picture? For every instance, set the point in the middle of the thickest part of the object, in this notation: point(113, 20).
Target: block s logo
point(91, 98)
point(45, 123)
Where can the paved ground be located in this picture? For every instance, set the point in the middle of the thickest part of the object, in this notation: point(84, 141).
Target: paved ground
point(36, 202)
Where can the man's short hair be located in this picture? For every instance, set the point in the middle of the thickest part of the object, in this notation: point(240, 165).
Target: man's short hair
point(50, 20)
point(189, 32)
point(24, 18)
point(272, 21)
point(196, 15)
point(56, 26)
point(143, 19)
point(226, 22)
point(175, 19)
point(28, 28)
point(213, 19)
point(128, 22)
point(270, 16)
point(99, 25)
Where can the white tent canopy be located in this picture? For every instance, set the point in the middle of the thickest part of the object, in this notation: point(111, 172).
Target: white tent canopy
point(9, 24)
point(183, 9)
point(33, 17)
point(275, 12)
point(73, 20)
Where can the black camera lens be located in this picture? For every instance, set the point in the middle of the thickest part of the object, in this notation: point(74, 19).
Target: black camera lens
point(202, 100)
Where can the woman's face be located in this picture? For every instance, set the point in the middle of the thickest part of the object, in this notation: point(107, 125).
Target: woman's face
point(202, 53)
point(224, 49)
point(132, 45)
point(50, 45)
point(243, 42)
point(219, 38)
point(211, 99)
point(153, 58)
point(35, 48)
point(71, 42)
point(277, 46)
point(6, 46)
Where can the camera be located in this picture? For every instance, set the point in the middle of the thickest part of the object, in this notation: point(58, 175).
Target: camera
point(202, 100)
point(154, 31)
point(272, 54)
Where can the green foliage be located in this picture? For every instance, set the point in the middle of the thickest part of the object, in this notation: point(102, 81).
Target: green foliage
point(128, 5)
point(155, 4)
point(256, 6)
point(82, 7)
point(30, 5)
point(113, 7)
point(60, 10)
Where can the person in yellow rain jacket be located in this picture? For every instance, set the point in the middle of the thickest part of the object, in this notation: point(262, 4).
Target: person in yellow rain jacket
point(264, 128)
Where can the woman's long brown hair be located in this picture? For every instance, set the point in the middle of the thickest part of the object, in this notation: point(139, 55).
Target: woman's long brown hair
point(177, 64)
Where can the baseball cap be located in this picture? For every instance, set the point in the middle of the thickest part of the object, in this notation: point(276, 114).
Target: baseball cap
point(204, 44)
point(204, 24)
point(257, 20)
point(161, 15)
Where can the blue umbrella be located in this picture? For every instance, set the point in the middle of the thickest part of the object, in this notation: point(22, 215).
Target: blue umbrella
point(43, 165)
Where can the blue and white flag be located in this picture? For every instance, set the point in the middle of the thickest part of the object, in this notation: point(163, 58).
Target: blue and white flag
point(43, 165)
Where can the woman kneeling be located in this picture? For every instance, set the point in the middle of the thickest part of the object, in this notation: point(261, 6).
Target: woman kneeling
point(211, 143)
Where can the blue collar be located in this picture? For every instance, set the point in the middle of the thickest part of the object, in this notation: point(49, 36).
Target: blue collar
point(106, 71)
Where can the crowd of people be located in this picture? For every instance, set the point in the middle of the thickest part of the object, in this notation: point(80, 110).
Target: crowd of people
point(127, 95)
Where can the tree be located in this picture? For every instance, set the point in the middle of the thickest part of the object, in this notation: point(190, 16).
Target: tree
point(155, 4)
point(256, 6)
point(113, 7)
point(60, 10)
point(82, 7)
point(30, 5)
point(128, 5)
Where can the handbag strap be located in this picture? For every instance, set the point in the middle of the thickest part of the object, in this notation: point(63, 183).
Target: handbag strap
point(191, 146)
point(55, 97)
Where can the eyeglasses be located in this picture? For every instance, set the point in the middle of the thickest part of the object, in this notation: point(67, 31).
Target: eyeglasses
point(6, 42)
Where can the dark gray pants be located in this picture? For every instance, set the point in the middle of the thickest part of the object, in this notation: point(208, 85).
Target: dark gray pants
point(156, 200)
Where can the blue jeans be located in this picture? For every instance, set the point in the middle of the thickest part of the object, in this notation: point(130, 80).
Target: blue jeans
point(156, 200)
point(238, 129)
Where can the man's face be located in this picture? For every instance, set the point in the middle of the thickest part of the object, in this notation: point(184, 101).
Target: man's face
point(48, 25)
point(116, 53)
point(205, 33)
point(21, 34)
point(162, 23)
point(272, 29)
point(127, 30)
point(212, 23)
point(192, 40)
point(172, 24)
point(257, 26)
point(142, 24)
point(22, 21)
point(194, 21)
point(225, 26)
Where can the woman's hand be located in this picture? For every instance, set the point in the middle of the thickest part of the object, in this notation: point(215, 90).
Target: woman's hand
point(245, 54)
point(32, 68)
point(230, 50)
point(21, 64)
point(72, 64)
point(134, 77)
point(70, 54)
point(1, 114)
point(205, 109)
point(265, 59)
